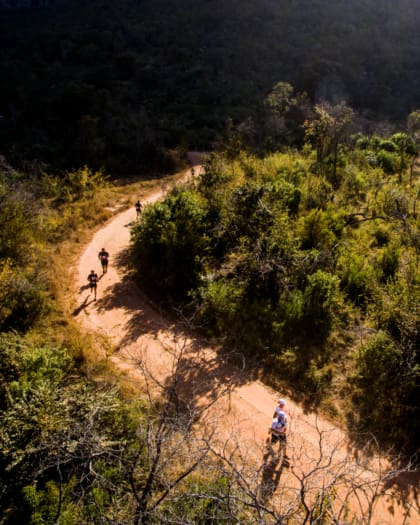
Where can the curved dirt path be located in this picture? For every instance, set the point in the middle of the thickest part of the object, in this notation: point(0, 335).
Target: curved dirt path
point(139, 334)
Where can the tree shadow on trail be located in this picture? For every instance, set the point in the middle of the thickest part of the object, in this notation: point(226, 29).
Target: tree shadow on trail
point(202, 377)
point(405, 488)
point(142, 317)
point(201, 374)
point(123, 260)
point(125, 295)
point(401, 478)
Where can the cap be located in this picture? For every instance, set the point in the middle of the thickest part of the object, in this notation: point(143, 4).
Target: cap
point(282, 401)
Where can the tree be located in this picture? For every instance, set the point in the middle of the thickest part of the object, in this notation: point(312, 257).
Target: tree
point(404, 146)
point(170, 244)
point(282, 117)
point(328, 131)
point(324, 485)
point(80, 453)
point(413, 130)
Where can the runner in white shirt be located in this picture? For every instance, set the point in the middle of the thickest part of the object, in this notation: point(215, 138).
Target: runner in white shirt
point(279, 427)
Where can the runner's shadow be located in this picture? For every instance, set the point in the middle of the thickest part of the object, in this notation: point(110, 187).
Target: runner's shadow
point(82, 306)
point(84, 287)
point(271, 472)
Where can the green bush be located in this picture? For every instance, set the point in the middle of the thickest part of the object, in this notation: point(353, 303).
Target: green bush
point(381, 236)
point(170, 244)
point(55, 427)
point(309, 313)
point(219, 300)
point(22, 299)
point(387, 391)
point(395, 310)
point(79, 183)
point(388, 161)
point(317, 193)
point(389, 261)
point(316, 231)
point(249, 212)
point(356, 278)
point(387, 145)
point(16, 228)
point(289, 194)
point(354, 185)
point(217, 507)
point(293, 311)
point(320, 301)
point(395, 203)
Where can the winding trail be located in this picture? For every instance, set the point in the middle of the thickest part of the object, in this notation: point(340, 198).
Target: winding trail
point(138, 333)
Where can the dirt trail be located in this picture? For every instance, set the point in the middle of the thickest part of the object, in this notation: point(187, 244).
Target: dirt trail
point(138, 332)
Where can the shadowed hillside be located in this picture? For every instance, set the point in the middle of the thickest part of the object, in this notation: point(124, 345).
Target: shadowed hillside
point(116, 83)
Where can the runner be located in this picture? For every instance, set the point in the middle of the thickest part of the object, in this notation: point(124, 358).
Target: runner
point(138, 209)
point(280, 407)
point(103, 256)
point(93, 282)
point(278, 429)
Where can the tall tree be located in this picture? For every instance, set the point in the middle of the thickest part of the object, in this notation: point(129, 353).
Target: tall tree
point(413, 130)
point(328, 131)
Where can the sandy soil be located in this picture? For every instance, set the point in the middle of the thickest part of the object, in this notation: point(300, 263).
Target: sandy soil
point(241, 407)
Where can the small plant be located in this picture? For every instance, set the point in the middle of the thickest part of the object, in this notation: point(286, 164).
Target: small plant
point(381, 236)
point(389, 262)
point(356, 278)
point(316, 230)
point(21, 298)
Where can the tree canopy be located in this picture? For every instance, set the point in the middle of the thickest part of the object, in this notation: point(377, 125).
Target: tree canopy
point(112, 83)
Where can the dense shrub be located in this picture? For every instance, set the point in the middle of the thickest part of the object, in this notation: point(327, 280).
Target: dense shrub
point(288, 270)
point(389, 262)
point(381, 236)
point(76, 184)
point(319, 304)
point(22, 299)
point(22, 291)
point(316, 231)
point(317, 193)
point(387, 385)
point(388, 161)
point(16, 232)
point(170, 243)
point(219, 301)
point(357, 279)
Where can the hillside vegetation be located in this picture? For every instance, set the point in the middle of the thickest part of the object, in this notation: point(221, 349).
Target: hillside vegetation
point(298, 247)
point(259, 254)
point(307, 262)
point(115, 84)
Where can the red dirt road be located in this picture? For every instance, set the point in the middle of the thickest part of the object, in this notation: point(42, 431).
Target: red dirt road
point(138, 333)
